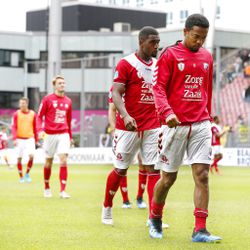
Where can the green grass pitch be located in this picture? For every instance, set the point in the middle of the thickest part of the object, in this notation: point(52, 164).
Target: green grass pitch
point(28, 221)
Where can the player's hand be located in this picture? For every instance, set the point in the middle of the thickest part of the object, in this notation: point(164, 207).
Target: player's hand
point(14, 143)
point(38, 145)
point(130, 123)
point(172, 121)
point(41, 135)
point(72, 143)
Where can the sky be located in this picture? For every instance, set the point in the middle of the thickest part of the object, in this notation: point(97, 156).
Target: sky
point(13, 13)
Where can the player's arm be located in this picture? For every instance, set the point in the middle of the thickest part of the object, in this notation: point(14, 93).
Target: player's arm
point(39, 118)
point(210, 89)
point(112, 116)
point(34, 128)
point(163, 77)
point(14, 128)
point(117, 93)
point(69, 120)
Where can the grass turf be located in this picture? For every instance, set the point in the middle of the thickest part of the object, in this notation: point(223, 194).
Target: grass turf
point(28, 221)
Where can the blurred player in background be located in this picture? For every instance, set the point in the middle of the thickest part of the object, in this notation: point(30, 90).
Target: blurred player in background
point(183, 94)
point(4, 145)
point(217, 133)
point(142, 175)
point(24, 136)
point(137, 124)
point(56, 112)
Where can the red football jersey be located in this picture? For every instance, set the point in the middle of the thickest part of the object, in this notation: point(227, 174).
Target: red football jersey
point(216, 130)
point(137, 77)
point(57, 113)
point(183, 84)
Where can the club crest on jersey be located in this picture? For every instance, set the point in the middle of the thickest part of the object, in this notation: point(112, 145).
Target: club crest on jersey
point(181, 66)
point(116, 74)
point(205, 65)
point(55, 104)
point(66, 105)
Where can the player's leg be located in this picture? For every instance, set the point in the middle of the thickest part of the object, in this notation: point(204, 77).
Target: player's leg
point(63, 148)
point(124, 147)
point(29, 166)
point(20, 169)
point(30, 146)
point(171, 145)
point(47, 173)
point(19, 150)
point(199, 155)
point(218, 158)
point(124, 191)
point(49, 146)
point(142, 181)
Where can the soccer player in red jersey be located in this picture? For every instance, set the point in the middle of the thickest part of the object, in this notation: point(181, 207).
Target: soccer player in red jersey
point(3, 145)
point(183, 91)
point(56, 109)
point(137, 124)
point(217, 133)
point(24, 135)
point(142, 175)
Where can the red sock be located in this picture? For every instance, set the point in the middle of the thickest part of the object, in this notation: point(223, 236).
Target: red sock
point(153, 177)
point(142, 181)
point(124, 189)
point(46, 174)
point(215, 162)
point(20, 169)
point(200, 218)
point(112, 185)
point(156, 210)
point(29, 165)
point(63, 175)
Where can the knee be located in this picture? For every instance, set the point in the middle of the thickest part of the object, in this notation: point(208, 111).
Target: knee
point(122, 172)
point(168, 179)
point(48, 163)
point(202, 177)
point(150, 169)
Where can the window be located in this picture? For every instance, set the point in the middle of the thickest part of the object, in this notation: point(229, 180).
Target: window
point(183, 15)
point(11, 58)
point(125, 2)
point(139, 3)
point(218, 13)
point(9, 100)
point(169, 18)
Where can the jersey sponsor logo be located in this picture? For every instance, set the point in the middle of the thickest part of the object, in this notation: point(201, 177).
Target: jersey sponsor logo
point(192, 94)
point(60, 116)
point(147, 93)
point(189, 79)
point(181, 66)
